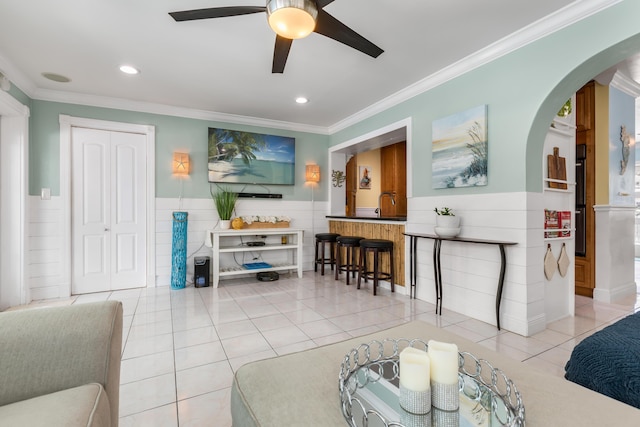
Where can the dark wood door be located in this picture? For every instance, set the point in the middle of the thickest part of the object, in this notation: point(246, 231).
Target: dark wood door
point(351, 186)
point(585, 192)
point(393, 171)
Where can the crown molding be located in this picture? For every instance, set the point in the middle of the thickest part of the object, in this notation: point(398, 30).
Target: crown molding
point(17, 77)
point(570, 14)
point(9, 106)
point(625, 84)
point(169, 110)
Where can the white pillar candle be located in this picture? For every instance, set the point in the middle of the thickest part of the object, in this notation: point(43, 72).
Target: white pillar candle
point(414, 369)
point(444, 362)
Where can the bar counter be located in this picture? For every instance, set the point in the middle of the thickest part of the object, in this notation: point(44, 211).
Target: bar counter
point(388, 228)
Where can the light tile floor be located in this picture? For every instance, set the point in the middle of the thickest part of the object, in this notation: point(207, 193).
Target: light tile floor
point(181, 347)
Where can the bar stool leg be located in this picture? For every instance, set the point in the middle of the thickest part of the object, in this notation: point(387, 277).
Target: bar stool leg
point(322, 254)
point(338, 256)
point(375, 270)
point(393, 276)
point(365, 273)
point(332, 250)
point(315, 262)
point(347, 250)
point(360, 267)
point(353, 262)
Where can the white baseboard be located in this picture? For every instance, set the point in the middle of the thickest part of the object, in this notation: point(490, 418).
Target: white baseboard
point(611, 295)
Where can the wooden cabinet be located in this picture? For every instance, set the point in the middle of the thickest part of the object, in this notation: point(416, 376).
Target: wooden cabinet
point(351, 185)
point(393, 171)
point(585, 107)
point(585, 195)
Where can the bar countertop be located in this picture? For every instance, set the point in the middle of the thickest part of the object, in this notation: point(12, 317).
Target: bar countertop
point(368, 218)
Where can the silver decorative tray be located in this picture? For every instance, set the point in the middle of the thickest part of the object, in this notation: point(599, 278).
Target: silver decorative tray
point(369, 380)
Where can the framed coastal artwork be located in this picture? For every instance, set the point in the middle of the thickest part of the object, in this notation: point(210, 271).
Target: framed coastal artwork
point(250, 158)
point(460, 149)
point(365, 178)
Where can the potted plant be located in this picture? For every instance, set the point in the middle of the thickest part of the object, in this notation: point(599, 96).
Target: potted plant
point(225, 201)
point(447, 223)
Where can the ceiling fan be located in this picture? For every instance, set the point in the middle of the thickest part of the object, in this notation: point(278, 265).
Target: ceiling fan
point(290, 19)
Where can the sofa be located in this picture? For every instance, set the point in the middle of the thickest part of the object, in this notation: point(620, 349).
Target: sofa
point(60, 366)
point(301, 389)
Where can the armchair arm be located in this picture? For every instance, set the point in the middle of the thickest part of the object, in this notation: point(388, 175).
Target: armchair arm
point(51, 349)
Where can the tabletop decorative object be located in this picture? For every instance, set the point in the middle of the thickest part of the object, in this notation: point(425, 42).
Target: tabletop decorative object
point(265, 221)
point(415, 388)
point(444, 375)
point(371, 377)
point(447, 223)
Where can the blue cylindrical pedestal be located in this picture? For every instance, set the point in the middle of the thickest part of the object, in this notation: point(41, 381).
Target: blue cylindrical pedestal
point(179, 251)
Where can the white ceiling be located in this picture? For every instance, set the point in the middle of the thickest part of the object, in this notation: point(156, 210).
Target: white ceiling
point(223, 66)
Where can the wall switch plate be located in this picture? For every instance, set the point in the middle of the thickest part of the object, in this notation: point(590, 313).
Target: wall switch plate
point(45, 194)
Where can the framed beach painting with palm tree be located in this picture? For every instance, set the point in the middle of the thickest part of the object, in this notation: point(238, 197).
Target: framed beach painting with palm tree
point(460, 149)
point(250, 158)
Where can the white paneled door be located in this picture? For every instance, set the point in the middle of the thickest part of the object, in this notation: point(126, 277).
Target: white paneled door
point(108, 221)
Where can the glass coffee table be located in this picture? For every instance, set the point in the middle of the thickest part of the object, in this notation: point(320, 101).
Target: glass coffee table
point(369, 393)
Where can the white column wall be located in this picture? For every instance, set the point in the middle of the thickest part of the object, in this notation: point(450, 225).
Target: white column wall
point(615, 271)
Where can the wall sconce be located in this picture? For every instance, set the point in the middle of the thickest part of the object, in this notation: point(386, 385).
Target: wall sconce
point(312, 173)
point(180, 164)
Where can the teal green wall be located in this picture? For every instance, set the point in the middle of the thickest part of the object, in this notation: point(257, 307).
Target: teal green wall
point(523, 91)
point(172, 134)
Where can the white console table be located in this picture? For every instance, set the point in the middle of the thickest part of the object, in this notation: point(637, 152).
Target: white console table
point(234, 241)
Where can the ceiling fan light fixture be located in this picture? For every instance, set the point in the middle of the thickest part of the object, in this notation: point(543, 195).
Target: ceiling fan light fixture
point(292, 19)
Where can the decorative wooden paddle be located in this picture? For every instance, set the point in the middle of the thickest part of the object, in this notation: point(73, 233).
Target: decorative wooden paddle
point(557, 169)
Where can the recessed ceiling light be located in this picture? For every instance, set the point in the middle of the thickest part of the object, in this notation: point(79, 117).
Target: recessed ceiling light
point(129, 69)
point(56, 77)
point(301, 100)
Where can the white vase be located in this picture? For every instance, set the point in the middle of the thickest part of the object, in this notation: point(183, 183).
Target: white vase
point(225, 224)
point(447, 226)
point(447, 221)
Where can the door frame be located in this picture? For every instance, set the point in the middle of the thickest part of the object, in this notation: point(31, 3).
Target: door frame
point(338, 155)
point(14, 169)
point(66, 123)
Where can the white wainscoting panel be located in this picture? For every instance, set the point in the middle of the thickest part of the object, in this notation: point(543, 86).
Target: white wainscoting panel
point(44, 263)
point(203, 217)
point(470, 271)
point(615, 255)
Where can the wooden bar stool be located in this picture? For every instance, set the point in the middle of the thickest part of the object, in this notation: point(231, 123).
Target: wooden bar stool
point(376, 247)
point(321, 240)
point(350, 244)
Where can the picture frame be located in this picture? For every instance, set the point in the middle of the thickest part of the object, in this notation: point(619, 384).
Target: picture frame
point(460, 149)
point(237, 157)
point(364, 178)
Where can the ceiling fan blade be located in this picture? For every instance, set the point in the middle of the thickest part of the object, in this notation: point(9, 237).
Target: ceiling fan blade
point(323, 3)
point(330, 27)
point(280, 54)
point(216, 12)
